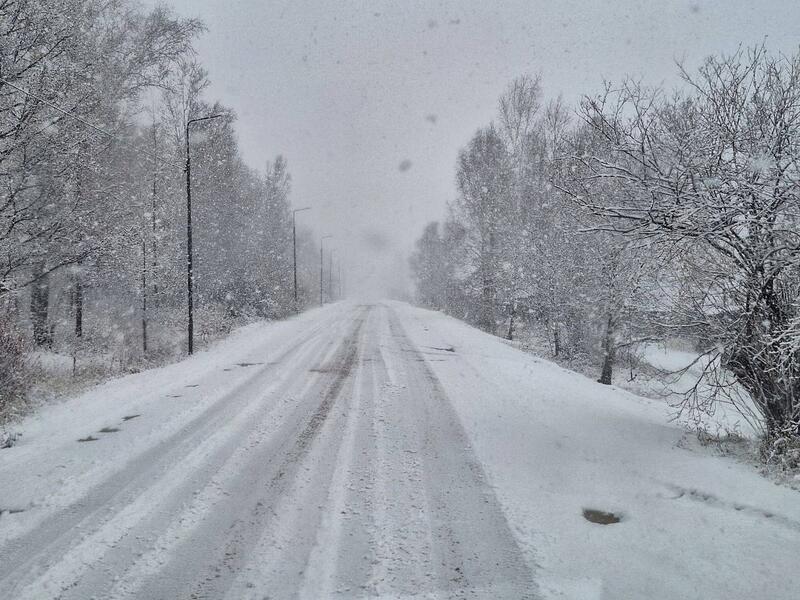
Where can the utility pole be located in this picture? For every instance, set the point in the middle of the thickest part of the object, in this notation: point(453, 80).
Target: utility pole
point(321, 268)
point(153, 244)
point(330, 275)
point(144, 295)
point(153, 212)
point(189, 270)
point(294, 249)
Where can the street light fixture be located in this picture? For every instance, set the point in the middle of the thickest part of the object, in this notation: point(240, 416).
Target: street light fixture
point(294, 249)
point(321, 267)
point(189, 270)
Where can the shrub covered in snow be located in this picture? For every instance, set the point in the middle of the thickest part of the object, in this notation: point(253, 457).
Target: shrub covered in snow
point(782, 448)
point(15, 378)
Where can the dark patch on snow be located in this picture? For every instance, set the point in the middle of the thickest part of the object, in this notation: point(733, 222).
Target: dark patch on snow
point(193, 385)
point(712, 500)
point(129, 417)
point(445, 349)
point(11, 511)
point(248, 364)
point(336, 370)
point(600, 517)
point(174, 396)
point(88, 438)
point(109, 430)
point(8, 439)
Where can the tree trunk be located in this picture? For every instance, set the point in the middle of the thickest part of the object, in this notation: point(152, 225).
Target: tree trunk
point(40, 301)
point(487, 309)
point(486, 318)
point(556, 340)
point(510, 335)
point(78, 274)
point(609, 352)
point(487, 322)
point(78, 304)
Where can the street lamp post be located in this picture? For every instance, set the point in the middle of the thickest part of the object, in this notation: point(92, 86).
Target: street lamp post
point(330, 274)
point(294, 249)
point(321, 268)
point(189, 270)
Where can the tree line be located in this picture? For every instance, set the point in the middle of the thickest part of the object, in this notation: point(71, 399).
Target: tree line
point(95, 97)
point(640, 214)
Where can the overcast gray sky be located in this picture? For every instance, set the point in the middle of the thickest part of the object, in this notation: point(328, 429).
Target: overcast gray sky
point(349, 90)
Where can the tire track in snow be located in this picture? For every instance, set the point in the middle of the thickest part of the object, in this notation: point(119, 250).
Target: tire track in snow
point(229, 533)
point(362, 482)
point(474, 554)
point(167, 512)
point(332, 550)
point(288, 561)
point(33, 555)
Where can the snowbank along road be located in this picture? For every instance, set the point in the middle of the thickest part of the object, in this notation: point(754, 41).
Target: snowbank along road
point(335, 467)
point(380, 451)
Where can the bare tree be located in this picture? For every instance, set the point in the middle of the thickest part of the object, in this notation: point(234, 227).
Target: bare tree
point(714, 174)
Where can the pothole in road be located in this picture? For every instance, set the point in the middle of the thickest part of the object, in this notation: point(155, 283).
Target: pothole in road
point(11, 511)
point(601, 517)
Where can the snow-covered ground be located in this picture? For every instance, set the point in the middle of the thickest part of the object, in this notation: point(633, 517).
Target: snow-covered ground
point(380, 451)
point(554, 442)
point(681, 371)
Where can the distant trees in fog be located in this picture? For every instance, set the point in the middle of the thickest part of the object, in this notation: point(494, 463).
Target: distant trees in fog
point(639, 215)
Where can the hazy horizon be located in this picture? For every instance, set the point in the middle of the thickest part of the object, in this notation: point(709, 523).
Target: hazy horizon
point(371, 104)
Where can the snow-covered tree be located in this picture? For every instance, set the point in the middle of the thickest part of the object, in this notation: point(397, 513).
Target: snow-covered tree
point(484, 208)
point(94, 101)
point(713, 173)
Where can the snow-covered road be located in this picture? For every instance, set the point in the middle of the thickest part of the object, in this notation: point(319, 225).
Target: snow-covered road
point(365, 451)
point(334, 467)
